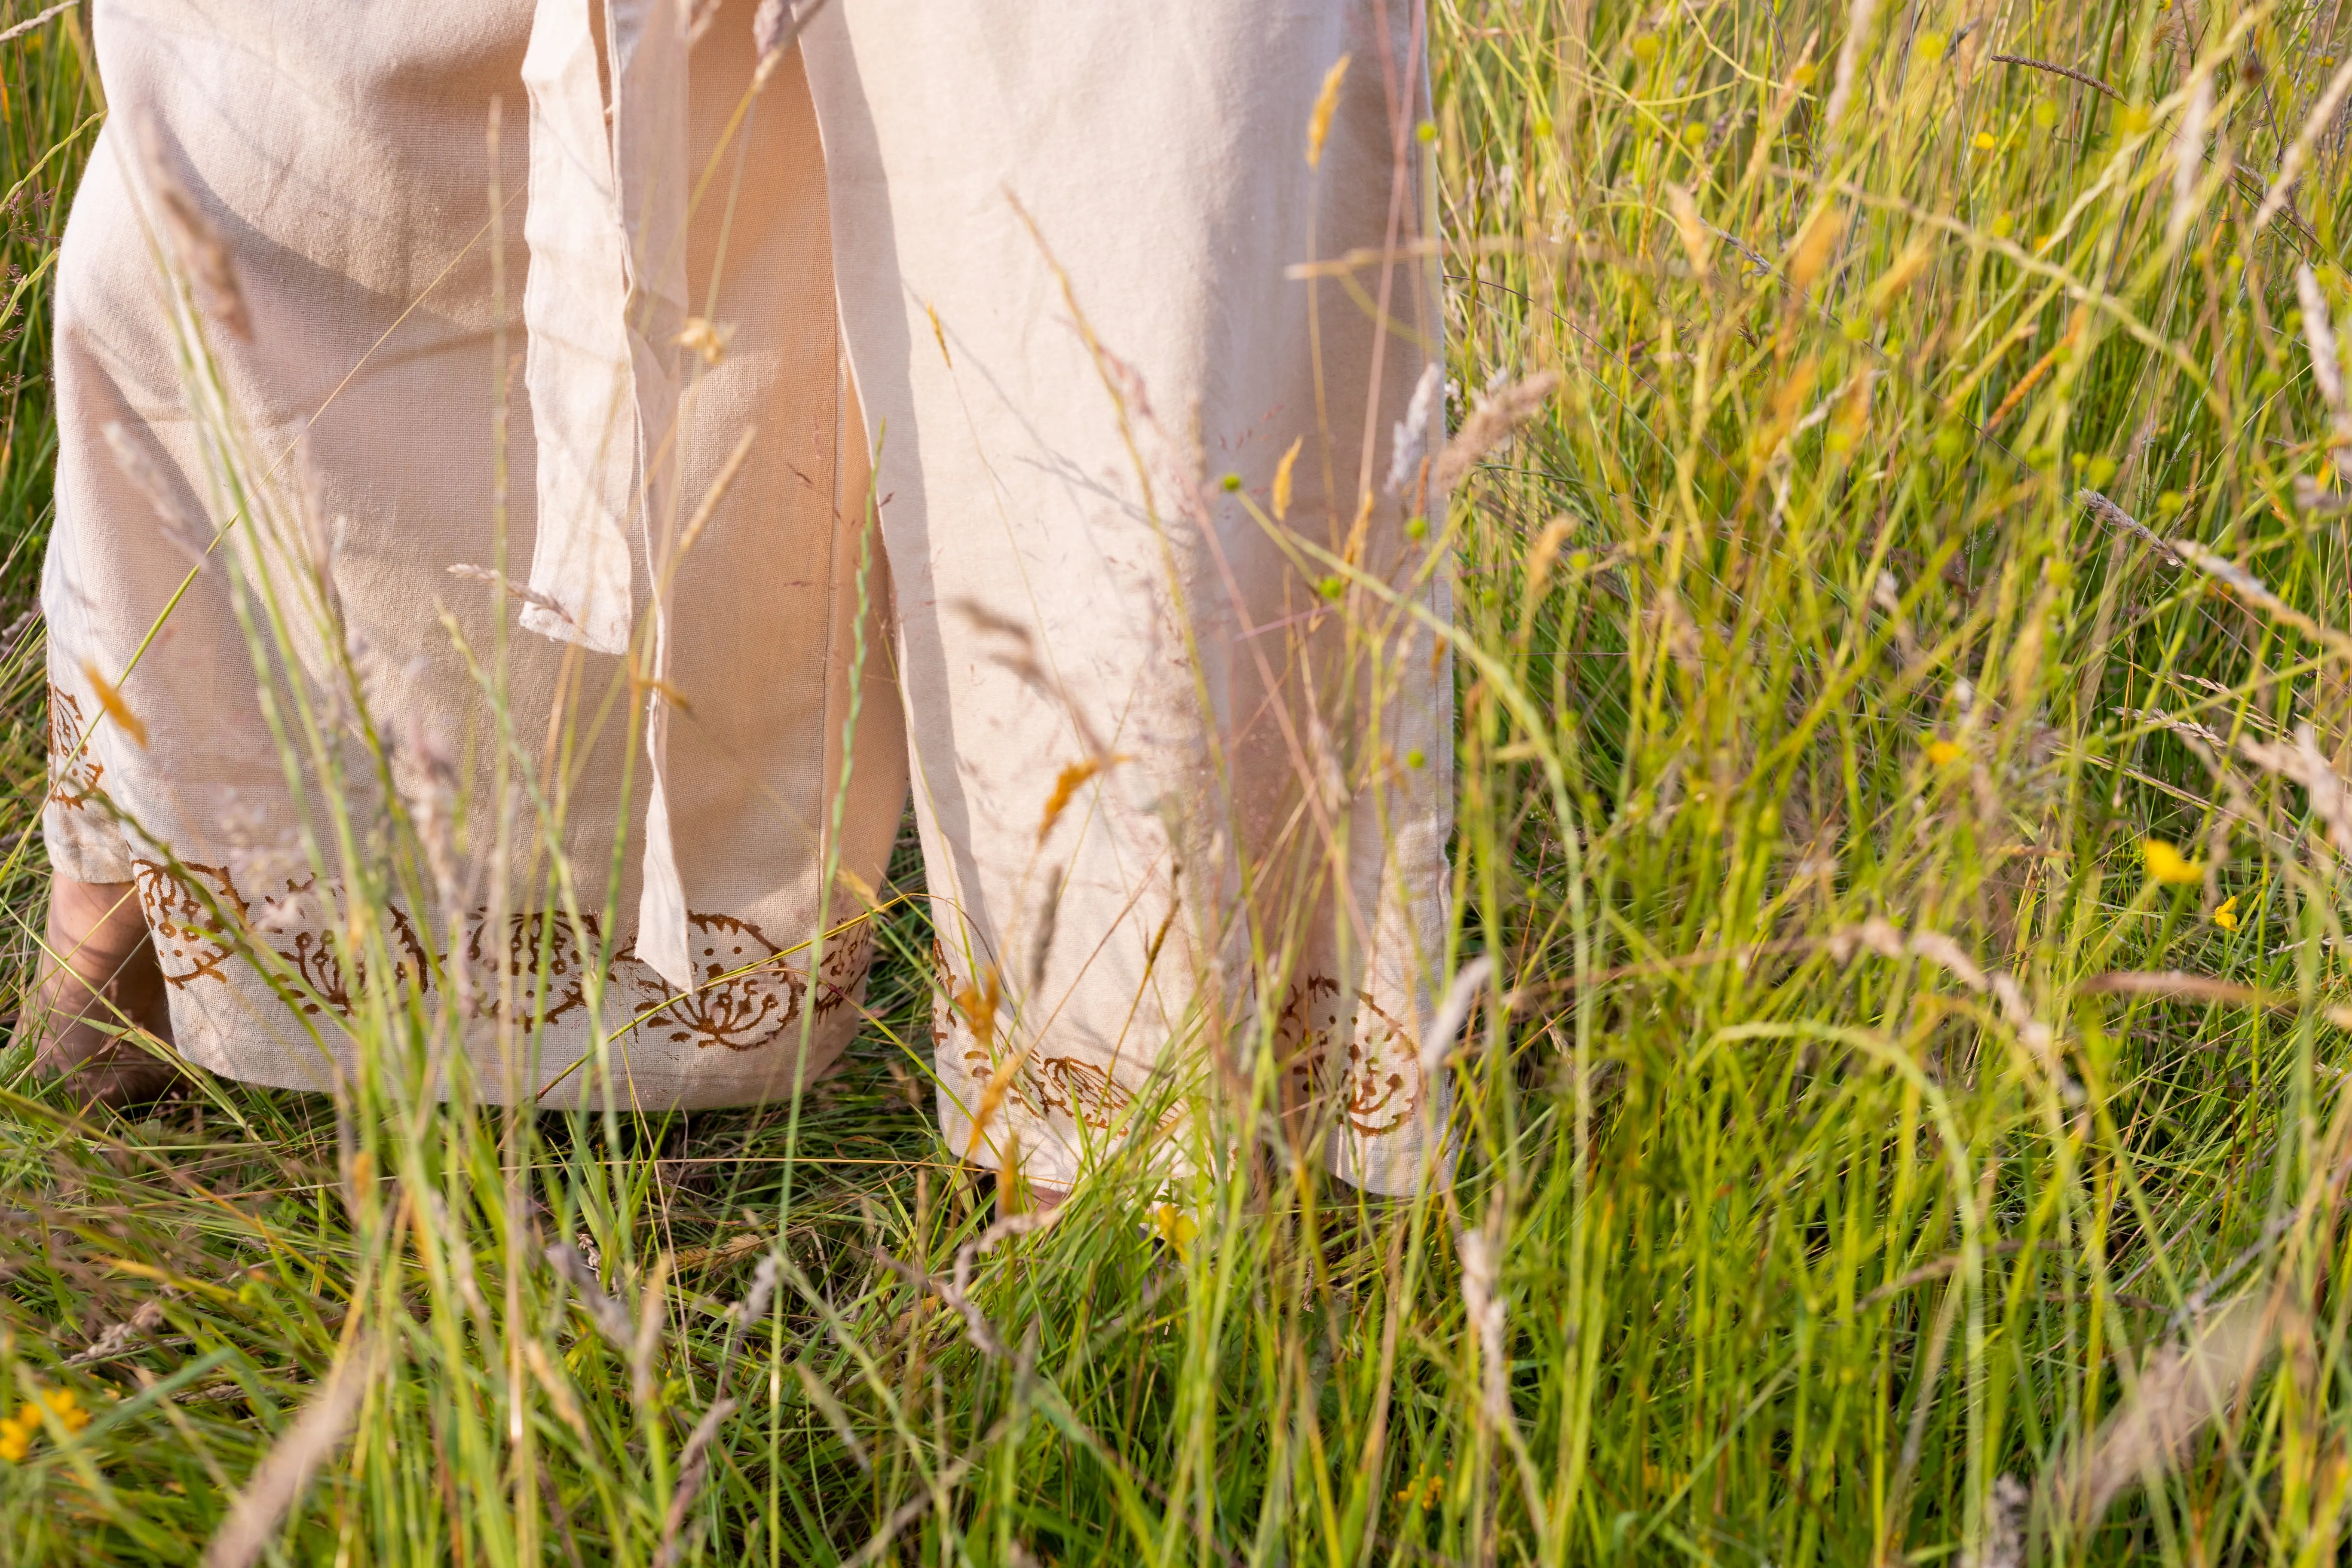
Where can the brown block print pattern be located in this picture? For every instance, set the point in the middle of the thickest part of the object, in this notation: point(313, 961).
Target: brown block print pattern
point(746, 996)
point(74, 770)
point(1379, 1085)
point(1042, 1085)
point(540, 966)
point(194, 916)
point(323, 971)
point(848, 957)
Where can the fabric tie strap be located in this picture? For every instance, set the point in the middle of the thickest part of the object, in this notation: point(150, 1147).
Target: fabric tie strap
point(603, 308)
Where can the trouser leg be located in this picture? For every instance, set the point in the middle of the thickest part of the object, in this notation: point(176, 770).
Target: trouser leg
point(1179, 764)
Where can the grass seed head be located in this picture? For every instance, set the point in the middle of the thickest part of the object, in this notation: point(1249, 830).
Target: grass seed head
point(1326, 102)
point(1493, 421)
point(1278, 502)
point(195, 244)
point(1814, 245)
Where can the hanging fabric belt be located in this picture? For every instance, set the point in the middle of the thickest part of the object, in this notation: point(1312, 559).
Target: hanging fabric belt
point(603, 308)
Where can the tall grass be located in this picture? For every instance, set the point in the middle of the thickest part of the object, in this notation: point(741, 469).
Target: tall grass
point(1904, 1121)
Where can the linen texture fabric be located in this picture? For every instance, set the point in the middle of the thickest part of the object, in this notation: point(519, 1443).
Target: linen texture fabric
point(1022, 286)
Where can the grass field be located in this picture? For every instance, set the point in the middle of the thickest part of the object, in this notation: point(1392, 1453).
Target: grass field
point(1906, 681)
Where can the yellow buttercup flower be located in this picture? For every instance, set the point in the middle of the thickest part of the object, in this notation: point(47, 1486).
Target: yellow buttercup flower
point(2226, 917)
point(2167, 864)
point(1944, 753)
point(18, 1431)
point(1175, 1227)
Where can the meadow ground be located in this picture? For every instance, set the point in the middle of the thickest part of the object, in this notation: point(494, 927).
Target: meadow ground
point(1905, 676)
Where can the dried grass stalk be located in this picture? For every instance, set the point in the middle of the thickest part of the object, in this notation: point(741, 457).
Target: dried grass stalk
point(2304, 763)
point(1493, 422)
point(254, 1517)
point(694, 1467)
point(2323, 115)
point(2189, 159)
point(1487, 1318)
point(196, 245)
point(612, 1318)
point(2319, 338)
point(2182, 1389)
point(1858, 23)
point(1421, 420)
point(2114, 516)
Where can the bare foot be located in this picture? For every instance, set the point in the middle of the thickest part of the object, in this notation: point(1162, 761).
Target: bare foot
point(98, 974)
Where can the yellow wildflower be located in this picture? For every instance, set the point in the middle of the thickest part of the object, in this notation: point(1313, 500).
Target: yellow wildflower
point(1175, 1227)
point(2167, 864)
point(1985, 142)
point(1943, 753)
point(18, 1431)
point(2226, 917)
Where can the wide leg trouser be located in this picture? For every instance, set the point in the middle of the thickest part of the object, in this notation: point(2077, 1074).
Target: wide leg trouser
point(1065, 240)
point(1128, 308)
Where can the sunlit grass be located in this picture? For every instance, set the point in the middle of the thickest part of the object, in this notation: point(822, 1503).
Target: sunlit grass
point(1905, 1122)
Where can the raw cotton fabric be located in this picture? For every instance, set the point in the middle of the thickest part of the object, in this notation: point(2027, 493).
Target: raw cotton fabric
point(1110, 319)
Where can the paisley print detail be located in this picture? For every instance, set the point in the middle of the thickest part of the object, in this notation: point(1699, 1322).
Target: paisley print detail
point(744, 995)
point(1378, 1088)
point(190, 944)
point(1078, 1089)
point(841, 979)
point(952, 1037)
point(74, 769)
point(518, 958)
point(312, 954)
point(1382, 1086)
point(747, 995)
point(1043, 1086)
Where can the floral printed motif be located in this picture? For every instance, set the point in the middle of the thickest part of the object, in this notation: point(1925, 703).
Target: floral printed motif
point(744, 994)
point(312, 954)
point(74, 768)
point(1042, 1086)
point(1383, 1082)
point(565, 979)
point(1380, 1089)
point(952, 1038)
point(190, 943)
point(841, 979)
point(1078, 1089)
